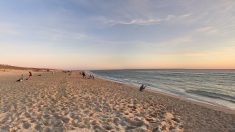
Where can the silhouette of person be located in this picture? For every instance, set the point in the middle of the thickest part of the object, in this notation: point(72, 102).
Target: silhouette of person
point(142, 87)
point(83, 75)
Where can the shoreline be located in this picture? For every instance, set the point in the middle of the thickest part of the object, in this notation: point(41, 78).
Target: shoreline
point(197, 116)
point(209, 105)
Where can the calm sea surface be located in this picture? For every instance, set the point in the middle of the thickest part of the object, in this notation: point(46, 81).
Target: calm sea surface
point(210, 86)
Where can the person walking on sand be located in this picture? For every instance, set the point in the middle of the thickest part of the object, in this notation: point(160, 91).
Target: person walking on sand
point(30, 75)
point(142, 87)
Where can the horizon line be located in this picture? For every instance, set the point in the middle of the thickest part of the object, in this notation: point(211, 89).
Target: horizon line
point(165, 69)
point(94, 69)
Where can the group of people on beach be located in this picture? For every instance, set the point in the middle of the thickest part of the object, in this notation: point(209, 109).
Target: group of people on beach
point(90, 76)
point(86, 75)
point(30, 75)
point(69, 72)
point(22, 77)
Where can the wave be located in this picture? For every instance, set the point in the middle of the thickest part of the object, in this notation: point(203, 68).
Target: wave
point(212, 86)
point(212, 95)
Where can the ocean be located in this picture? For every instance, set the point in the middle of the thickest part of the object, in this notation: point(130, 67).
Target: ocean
point(208, 86)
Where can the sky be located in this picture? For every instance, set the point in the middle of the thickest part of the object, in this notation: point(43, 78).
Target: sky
point(118, 34)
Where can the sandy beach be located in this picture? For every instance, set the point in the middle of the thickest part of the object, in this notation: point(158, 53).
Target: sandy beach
point(63, 102)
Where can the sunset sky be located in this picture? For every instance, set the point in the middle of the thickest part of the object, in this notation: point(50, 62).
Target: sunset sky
point(114, 34)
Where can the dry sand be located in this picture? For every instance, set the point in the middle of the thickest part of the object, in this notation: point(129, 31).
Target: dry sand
point(63, 102)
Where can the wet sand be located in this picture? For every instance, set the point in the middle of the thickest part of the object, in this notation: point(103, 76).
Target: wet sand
point(63, 102)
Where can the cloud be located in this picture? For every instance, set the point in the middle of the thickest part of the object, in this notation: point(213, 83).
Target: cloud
point(134, 21)
point(208, 30)
point(141, 20)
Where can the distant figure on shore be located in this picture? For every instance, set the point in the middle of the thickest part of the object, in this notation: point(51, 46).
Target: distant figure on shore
point(91, 76)
point(142, 87)
point(21, 78)
point(83, 75)
point(30, 75)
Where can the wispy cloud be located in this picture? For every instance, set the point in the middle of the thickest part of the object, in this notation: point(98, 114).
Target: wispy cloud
point(208, 30)
point(134, 21)
point(141, 20)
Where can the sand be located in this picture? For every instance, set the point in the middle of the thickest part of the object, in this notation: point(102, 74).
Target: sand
point(63, 102)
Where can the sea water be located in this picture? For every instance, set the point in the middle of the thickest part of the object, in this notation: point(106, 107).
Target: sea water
point(209, 86)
